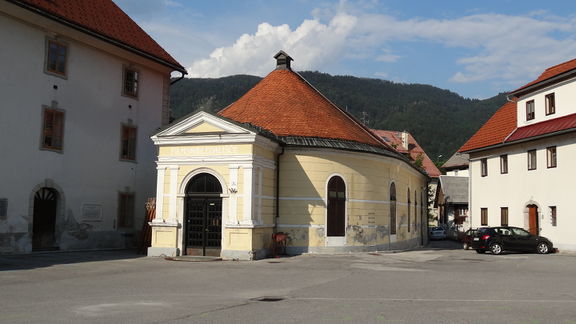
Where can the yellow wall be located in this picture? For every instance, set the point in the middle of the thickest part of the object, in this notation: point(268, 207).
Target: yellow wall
point(303, 179)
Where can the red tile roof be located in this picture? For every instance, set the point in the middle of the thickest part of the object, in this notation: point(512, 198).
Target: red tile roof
point(550, 73)
point(105, 19)
point(543, 128)
point(414, 151)
point(495, 130)
point(287, 105)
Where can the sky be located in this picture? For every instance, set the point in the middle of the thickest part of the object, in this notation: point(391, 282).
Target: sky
point(474, 48)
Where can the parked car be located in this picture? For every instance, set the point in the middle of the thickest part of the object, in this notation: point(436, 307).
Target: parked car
point(437, 233)
point(466, 238)
point(506, 238)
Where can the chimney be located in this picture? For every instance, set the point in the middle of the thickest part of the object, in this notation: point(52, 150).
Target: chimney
point(283, 61)
point(405, 137)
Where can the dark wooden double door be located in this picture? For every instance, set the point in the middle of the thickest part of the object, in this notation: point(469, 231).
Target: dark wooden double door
point(336, 220)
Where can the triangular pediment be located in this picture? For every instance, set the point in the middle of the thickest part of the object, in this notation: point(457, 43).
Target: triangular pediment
point(202, 123)
point(204, 127)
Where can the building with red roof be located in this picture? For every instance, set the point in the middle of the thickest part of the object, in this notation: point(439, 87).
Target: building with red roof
point(83, 87)
point(520, 159)
point(283, 167)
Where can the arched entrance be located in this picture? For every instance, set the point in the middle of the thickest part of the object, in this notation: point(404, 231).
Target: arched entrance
point(533, 224)
point(203, 216)
point(44, 219)
point(336, 219)
point(392, 209)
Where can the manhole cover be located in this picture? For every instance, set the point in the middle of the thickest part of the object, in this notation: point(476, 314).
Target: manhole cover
point(269, 299)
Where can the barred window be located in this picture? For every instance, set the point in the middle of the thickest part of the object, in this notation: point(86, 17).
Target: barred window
point(52, 129)
point(128, 143)
point(130, 86)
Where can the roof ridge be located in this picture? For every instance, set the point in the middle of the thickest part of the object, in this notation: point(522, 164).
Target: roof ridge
point(348, 115)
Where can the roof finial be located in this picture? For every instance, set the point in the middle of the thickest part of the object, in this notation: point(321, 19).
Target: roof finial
point(283, 61)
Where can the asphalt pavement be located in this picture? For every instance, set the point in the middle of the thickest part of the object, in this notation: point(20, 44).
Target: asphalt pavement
point(438, 284)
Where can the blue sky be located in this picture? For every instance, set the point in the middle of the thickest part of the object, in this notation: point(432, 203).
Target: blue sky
point(474, 48)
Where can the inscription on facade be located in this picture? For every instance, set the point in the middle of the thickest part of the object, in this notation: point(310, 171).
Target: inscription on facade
point(204, 150)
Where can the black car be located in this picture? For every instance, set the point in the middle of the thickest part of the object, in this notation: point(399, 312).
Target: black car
point(505, 238)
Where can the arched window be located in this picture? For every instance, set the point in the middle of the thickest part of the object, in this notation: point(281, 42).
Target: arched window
point(415, 210)
point(392, 208)
point(336, 219)
point(408, 199)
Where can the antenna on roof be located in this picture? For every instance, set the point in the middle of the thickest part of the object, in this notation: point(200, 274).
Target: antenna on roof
point(283, 61)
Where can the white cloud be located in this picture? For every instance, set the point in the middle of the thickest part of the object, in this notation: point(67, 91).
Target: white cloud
point(312, 44)
point(510, 49)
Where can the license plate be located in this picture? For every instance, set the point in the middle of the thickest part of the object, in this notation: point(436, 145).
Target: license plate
point(476, 239)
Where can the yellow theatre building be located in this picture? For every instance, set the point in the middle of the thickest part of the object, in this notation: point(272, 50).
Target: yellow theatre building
point(283, 158)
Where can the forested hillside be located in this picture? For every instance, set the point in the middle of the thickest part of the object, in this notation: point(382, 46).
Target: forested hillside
point(440, 120)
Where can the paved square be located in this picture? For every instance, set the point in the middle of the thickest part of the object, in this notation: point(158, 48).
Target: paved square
point(431, 285)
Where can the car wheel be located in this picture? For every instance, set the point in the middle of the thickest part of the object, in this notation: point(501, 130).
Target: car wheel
point(480, 251)
point(496, 248)
point(466, 246)
point(542, 248)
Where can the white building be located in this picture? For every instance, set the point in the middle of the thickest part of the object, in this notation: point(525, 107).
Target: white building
point(83, 88)
point(521, 168)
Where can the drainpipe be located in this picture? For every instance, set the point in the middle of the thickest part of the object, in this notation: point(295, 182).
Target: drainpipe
point(277, 211)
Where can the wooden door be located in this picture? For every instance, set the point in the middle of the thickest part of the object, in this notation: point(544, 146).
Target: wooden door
point(336, 220)
point(533, 226)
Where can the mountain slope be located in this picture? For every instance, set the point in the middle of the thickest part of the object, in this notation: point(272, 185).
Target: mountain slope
point(440, 120)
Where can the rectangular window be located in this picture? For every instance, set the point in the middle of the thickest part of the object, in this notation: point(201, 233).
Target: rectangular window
point(52, 129)
point(56, 53)
point(553, 215)
point(484, 216)
point(550, 104)
point(503, 164)
point(125, 210)
point(128, 143)
point(551, 156)
point(532, 160)
point(484, 167)
point(503, 216)
point(530, 110)
point(130, 85)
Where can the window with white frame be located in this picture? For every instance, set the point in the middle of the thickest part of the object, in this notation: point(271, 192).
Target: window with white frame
point(550, 104)
point(551, 156)
point(484, 167)
point(531, 160)
point(530, 110)
point(504, 164)
point(553, 215)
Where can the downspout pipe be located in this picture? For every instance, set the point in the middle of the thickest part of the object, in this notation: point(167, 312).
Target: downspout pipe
point(277, 207)
point(180, 78)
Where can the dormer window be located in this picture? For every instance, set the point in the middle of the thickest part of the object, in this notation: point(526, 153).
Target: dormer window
point(530, 110)
point(550, 104)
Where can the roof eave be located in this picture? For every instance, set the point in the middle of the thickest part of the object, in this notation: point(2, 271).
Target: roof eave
point(523, 140)
point(176, 67)
point(544, 83)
